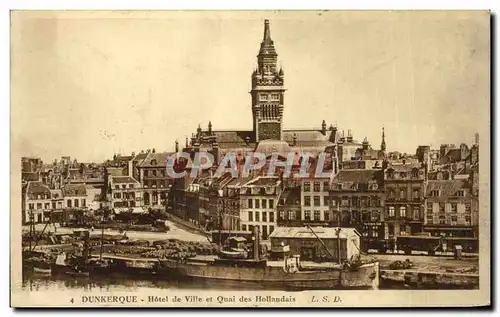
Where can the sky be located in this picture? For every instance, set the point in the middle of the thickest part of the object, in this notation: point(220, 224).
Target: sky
point(91, 84)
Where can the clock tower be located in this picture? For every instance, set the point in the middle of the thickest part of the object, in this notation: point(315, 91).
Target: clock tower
point(267, 92)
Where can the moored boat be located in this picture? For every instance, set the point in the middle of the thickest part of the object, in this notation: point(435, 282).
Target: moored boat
point(289, 273)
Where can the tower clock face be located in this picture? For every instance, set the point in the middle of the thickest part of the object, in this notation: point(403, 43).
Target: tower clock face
point(269, 131)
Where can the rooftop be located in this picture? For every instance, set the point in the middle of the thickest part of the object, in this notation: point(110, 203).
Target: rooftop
point(321, 232)
point(123, 180)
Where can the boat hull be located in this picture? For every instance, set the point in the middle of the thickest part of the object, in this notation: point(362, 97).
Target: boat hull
point(365, 277)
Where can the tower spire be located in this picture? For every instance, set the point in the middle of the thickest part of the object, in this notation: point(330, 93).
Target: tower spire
point(267, 32)
point(383, 145)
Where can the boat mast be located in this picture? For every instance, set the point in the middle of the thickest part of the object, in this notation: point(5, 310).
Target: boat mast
point(102, 237)
point(338, 231)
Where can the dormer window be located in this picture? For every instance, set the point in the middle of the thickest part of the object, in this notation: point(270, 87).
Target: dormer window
point(460, 193)
point(390, 173)
point(403, 174)
point(153, 162)
point(415, 173)
point(434, 193)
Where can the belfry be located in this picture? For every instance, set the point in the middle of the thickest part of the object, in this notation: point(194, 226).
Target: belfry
point(267, 92)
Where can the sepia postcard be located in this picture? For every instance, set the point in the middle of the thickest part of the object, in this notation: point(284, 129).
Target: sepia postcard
point(250, 159)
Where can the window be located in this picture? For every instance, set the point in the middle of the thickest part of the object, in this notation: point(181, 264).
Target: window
point(47, 205)
point(146, 173)
point(83, 203)
point(130, 185)
point(271, 204)
point(374, 232)
point(454, 219)
point(429, 206)
point(257, 216)
point(275, 97)
point(271, 216)
point(117, 195)
point(416, 213)
point(76, 203)
point(316, 187)
point(326, 186)
point(434, 193)
point(391, 211)
point(453, 207)
point(271, 229)
point(250, 228)
point(375, 215)
point(263, 97)
point(54, 205)
point(124, 186)
point(415, 173)
point(317, 215)
point(365, 216)
point(403, 230)
point(307, 201)
point(430, 219)
point(326, 215)
point(416, 193)
point(250, 216)
point(39, 206)
point(468, 220)
point(307, 187)
point(403, 175)
point(163, 173)
point(154, 172)
point(244, 227)
point(281, 215)
point(461, 193)
point(402, 211)
point(442, 220)
point(250, 203)
point(68, 203)
point(257, 203)
point(117, 186)
point(291, 215)
point(264, 216)
point(392, 194)
point(467, 207)
point(317, 201)
point(441, 207)
point(31, 206)
point(264, 204)
point(402, 194)
point(345, 201)
point(307, 215)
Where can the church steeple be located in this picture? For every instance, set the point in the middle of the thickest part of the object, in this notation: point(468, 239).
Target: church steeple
point(383, 145)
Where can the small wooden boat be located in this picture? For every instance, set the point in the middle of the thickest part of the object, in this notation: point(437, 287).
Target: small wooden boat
point(42, 270)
